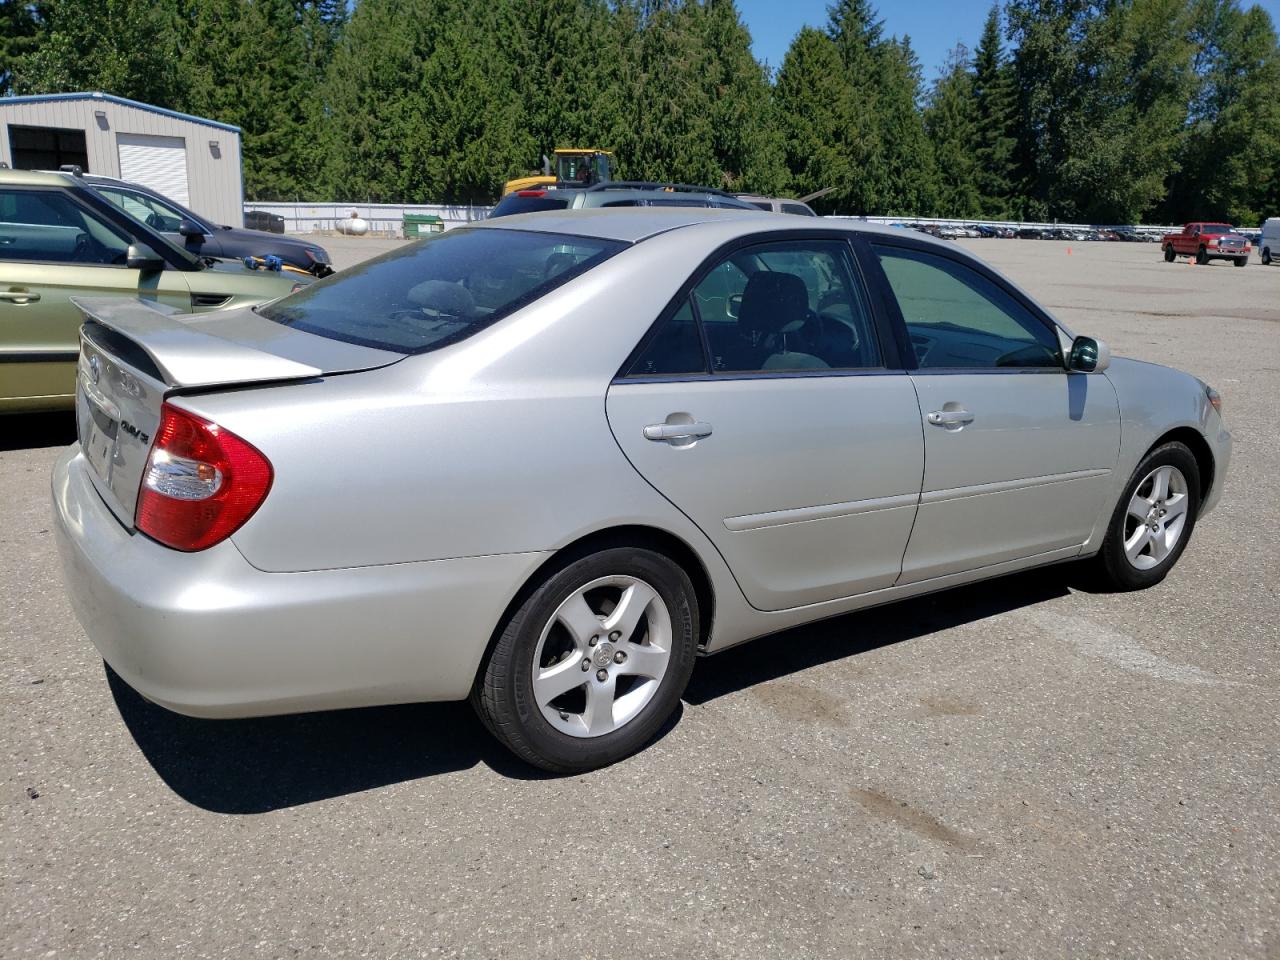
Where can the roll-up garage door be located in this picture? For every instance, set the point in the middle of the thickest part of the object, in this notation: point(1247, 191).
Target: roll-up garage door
point(156, 162)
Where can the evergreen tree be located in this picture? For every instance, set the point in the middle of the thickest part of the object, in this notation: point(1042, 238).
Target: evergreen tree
point(1230, 163)
point(22, 28)
point(124, 47)
point(1125, 141)
point(824, 128)
point(247, 62)
point(910, 173)
point(995, 119)
point(746, 139)
point(952, 123)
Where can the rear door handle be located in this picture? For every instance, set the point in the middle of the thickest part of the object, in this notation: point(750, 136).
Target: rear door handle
point(19, 296)
point(671, 432)
point(946, 417)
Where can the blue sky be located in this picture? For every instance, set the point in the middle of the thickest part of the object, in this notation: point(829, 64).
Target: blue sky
point(934, 25)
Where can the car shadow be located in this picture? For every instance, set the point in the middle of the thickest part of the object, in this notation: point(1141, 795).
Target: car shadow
point(271, 763)
point(32, 430)
point(790, 651)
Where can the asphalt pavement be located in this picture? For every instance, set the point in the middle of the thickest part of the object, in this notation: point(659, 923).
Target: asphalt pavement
point(1022, 768)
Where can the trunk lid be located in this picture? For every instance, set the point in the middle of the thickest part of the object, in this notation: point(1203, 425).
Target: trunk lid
point(133, 355)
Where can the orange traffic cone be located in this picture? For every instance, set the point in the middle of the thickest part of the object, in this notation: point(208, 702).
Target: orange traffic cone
point(1068, 251)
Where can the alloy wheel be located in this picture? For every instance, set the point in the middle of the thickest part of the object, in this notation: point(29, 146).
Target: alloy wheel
point(601, 657)
point(1156, 517)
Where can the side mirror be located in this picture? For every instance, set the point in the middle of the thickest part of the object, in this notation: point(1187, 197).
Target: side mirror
point(1088, 355)
point(141, 257)
point(189, 228)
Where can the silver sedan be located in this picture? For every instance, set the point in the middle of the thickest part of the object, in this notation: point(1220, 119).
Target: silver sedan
point(546, 462)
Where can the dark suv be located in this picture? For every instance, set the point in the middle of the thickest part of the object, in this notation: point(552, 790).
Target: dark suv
point(203, 238)
point(617, 193)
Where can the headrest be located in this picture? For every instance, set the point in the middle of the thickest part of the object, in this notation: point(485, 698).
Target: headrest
point(771, 302)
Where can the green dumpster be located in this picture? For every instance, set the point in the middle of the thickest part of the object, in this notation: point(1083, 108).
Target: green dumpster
point(421, 225)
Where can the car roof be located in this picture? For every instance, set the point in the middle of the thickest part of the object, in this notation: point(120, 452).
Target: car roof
point(634, 224)
point(35, 178)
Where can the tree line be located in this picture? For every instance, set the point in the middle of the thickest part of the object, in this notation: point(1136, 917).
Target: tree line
point(1105, 111)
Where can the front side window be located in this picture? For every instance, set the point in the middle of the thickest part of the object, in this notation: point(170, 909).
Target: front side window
point(775, 308)
point(157, 215)
point(47, 226)
point(435, 292)
point(957, 318)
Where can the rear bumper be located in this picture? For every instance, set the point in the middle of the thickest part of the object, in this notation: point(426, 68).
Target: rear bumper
point(207, 634)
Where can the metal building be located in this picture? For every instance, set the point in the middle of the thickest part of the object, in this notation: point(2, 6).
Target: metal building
point(191, 160)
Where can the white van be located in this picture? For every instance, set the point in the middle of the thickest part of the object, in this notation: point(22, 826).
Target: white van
point(1269, 241)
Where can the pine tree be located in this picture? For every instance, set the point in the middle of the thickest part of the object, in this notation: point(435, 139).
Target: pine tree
point(952, 123)
point(995, 108)
point(910, 173)
point(824, 129)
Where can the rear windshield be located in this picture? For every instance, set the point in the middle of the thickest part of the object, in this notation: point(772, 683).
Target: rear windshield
point(434, 292)
point(514, 203)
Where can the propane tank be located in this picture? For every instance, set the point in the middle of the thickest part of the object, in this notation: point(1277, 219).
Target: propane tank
point(353, 226)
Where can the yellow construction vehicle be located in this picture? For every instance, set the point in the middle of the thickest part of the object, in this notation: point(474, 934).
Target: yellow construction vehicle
point(572, 167)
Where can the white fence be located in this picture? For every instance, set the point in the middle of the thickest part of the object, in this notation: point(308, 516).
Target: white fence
point(382, 217)
point(387, 217)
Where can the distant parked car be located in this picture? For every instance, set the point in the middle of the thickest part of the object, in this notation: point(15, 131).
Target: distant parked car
point(1205, 242)
point(61, 239)
point(263, 220)
point(617, 193)
point(203, 237)
point(778, 204)
point(1269, 241)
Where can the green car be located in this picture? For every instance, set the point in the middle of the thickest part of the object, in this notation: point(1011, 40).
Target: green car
point(58, 240)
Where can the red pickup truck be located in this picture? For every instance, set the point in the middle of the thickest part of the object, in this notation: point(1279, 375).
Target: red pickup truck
point(1205, 242)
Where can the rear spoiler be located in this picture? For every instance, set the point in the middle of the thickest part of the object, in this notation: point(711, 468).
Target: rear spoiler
point(161, 342)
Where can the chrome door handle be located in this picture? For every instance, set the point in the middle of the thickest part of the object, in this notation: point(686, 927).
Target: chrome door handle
point(19, 296)
point(677, 431)
point(945, 417)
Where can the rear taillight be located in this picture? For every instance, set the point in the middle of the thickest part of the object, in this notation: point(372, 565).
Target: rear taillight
point(200, 484)
point(531, 193)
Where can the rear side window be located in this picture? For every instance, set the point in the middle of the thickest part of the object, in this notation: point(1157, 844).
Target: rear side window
point(435, 292)
point(514, 203)
point(799, 209)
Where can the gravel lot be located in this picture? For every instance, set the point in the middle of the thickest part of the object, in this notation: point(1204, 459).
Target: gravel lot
point(1021, 768)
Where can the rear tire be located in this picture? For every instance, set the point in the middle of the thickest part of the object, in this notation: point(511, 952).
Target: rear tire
point(566, 691)
point(1201, 256)
point(1150, 527)
point(1169, 254)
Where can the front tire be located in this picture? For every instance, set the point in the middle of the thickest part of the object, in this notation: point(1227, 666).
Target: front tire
point(1153, 521)
point(1169, 254)
point(1201, 256)
point(592, 662)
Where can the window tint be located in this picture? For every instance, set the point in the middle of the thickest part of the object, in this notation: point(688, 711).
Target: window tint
point(799, 209)
point(513, 203)
point(786, 306)
point(675, 348)
point(434, 292)
point(958, 318)
point(48, 226)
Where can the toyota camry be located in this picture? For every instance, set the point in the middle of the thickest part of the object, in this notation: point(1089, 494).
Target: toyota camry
point(545, 463)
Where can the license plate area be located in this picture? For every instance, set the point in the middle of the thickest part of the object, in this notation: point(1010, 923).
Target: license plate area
point(98, 432)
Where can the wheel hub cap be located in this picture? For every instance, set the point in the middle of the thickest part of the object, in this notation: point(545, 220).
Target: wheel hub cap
point(604, 654)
